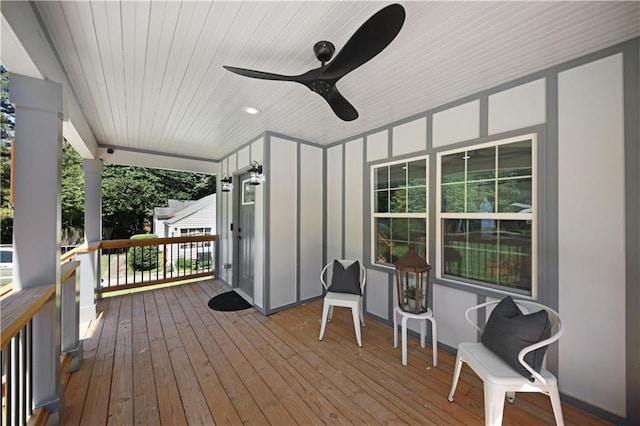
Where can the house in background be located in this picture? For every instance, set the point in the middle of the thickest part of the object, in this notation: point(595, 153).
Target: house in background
point(186, 218)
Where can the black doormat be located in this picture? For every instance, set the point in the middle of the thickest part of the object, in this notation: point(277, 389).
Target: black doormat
point(229, 301)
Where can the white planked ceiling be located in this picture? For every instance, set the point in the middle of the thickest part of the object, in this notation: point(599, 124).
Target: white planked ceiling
point(149, 76)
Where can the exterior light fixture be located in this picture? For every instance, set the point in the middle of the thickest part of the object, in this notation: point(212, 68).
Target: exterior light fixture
point(226, 183)
point(256, 173)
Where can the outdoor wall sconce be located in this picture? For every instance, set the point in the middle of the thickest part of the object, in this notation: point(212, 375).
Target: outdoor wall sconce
point(256, 173)
point(226, 183)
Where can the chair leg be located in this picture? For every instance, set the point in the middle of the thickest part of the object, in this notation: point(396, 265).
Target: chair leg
point(493, 404)
point(325, 313)
point(356, 324)
point(405, 319)
point(511, 397)
point(456, 376)
point(423, 331)
point(330, 313)
point(395, 328)
point(434, 340)
point(554, 394)
point(361, 304)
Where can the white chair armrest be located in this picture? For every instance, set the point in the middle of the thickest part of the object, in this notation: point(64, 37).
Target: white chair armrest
point(326, 286)
point(474, 308)
point(546, 342)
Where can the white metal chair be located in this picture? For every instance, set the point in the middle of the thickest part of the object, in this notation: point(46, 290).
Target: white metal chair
point(500, 378)
point(347, 300)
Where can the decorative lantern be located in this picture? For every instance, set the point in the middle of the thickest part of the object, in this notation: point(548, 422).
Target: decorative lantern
point(412, 282)
point(255, 173)
point(226, 183)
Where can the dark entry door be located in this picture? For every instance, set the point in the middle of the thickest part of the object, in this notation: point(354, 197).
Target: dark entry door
point(245, 236)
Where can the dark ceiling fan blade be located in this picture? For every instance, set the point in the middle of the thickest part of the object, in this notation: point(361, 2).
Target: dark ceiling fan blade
point(260, 74)
point(342, 108)
point(369, 40)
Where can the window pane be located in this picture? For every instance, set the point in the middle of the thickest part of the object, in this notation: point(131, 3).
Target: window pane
point(417, 202)
point(514, 256)
point(382, 178)
point(481, 164)
point(382, 202)
point(514, 159)
point(481, 197)
point(418, 232)
point(383, 243)
point(418, 173)
point(400, 229)
point(453, 198)
point(454, 246)
point(453, 167)
point(398, 201)
point(501, 258)
point(383, 227)
point(399, 238)
point(514, 196)
point(398, 175)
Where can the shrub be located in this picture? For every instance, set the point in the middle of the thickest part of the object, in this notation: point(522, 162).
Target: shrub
point(6, 225)
point(183, 264)
point(143, 258)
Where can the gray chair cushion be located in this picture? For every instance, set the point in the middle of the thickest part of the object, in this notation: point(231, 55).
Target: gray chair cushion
point(345, 280)
point(508, 331)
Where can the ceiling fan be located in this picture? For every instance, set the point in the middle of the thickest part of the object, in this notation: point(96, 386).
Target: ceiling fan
point(370, 39)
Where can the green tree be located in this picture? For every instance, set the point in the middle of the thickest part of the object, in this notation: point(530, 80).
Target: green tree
point(7, 124)
point(5, 176)
point(72, 199)
point(7, 113)
point(129, 195)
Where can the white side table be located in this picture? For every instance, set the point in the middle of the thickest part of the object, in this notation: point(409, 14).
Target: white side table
point(423, 318)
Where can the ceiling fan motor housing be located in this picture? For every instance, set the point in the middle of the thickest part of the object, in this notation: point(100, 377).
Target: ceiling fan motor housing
point(324, 51)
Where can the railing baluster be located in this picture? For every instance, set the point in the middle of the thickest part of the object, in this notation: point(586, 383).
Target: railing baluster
point(8, 383)
point(3, 370)
point(23, 376)
point(29, 329)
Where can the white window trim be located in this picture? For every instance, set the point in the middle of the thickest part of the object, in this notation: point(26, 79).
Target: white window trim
point(499, 216)
point(373, 215)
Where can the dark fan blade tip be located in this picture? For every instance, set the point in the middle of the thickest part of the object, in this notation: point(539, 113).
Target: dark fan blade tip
point(258, 74)
point(340, 106)
point(369, 40)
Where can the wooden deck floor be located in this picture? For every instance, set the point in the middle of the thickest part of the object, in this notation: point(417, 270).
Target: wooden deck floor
point(163, 357)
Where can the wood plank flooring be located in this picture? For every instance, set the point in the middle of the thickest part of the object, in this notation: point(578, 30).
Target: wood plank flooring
point(163, 357)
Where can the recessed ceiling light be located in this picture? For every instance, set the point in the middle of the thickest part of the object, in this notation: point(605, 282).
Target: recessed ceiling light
point(251, 110)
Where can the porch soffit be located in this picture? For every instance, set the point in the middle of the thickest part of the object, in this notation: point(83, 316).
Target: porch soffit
point(149, 79)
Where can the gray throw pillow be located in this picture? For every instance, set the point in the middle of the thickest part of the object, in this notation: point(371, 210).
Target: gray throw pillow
point(345, 280)
point(508, 331)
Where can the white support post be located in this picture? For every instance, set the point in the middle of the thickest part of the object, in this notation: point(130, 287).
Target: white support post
point(37, 223)
point(70, 331)
point(90, 262)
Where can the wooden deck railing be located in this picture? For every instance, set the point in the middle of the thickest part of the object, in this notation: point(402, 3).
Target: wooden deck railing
point(144, 262)
point(19, 308)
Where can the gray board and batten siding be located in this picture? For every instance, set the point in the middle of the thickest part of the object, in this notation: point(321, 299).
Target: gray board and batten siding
point(315, 205)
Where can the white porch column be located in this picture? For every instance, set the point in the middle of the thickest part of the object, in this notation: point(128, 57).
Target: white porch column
point(37, 223)
point(90, 266)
